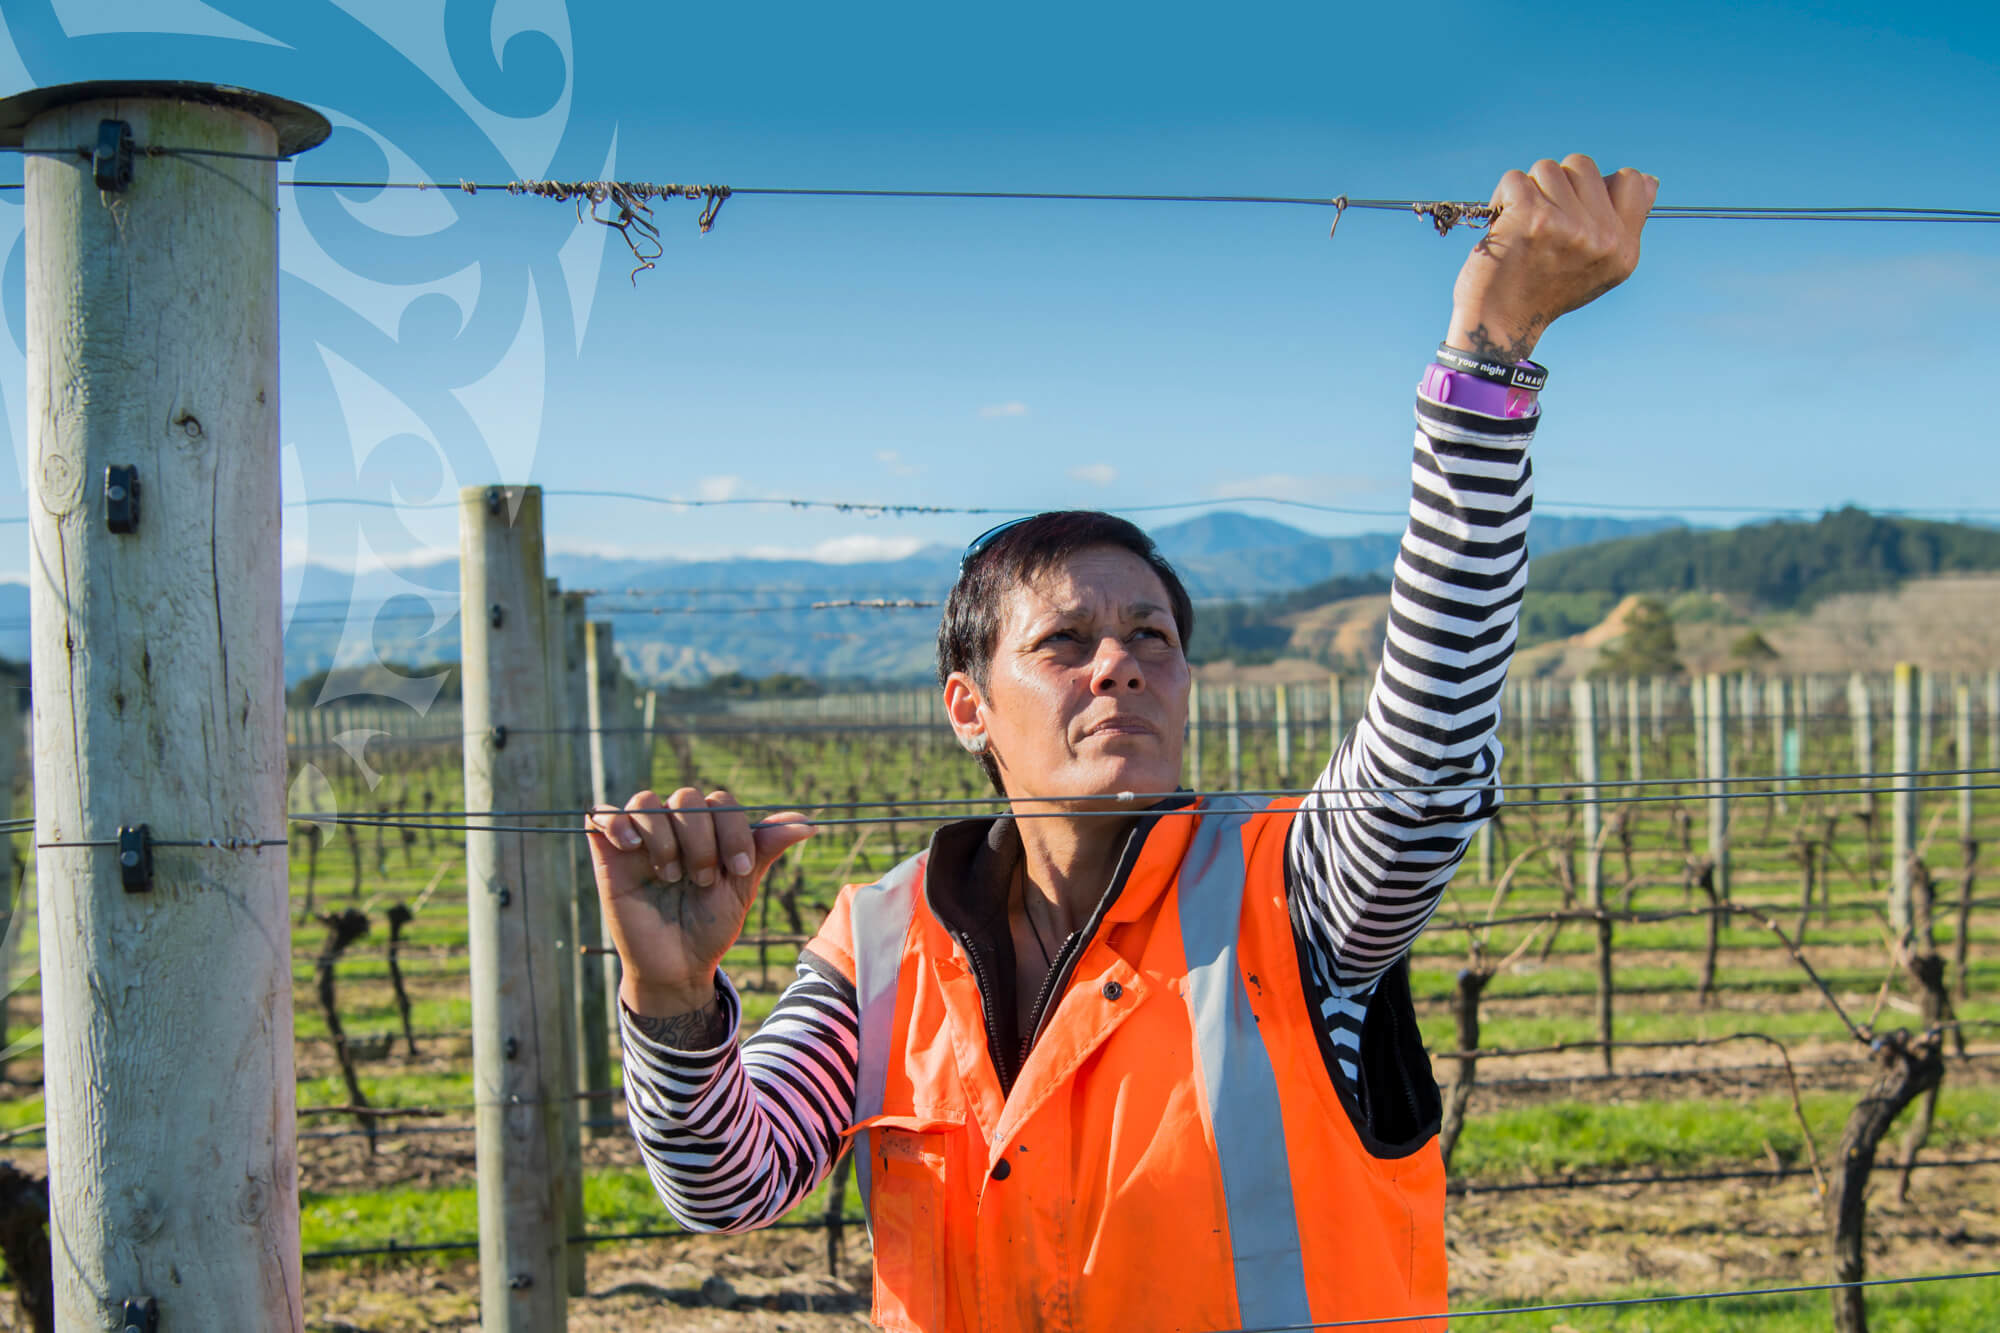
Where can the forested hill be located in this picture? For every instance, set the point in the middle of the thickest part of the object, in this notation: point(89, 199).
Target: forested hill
point(1778, 565)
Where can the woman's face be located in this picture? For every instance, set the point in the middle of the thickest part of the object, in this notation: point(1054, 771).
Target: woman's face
point(1088, 687)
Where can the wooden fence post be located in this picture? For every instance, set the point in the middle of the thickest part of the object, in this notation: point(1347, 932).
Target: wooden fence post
point(1968, 841)
point(515, 914)
point(1632, 733)
point(14, 901)
point(1962, 747)
point(152, 392)
point(1284, 726)
point(1779, 689)
point(568, 878)
point(649, 716)
point(1861, 716)
point(1993, 719)
point(1527, 690)
point(593, 1020)
point(1717, 710)
point(608, 784)
point(1233, 719)
point(1903, 811)
point(1926, 721)
point(1583, 712)
point(1194, 736)
point(1336, 714)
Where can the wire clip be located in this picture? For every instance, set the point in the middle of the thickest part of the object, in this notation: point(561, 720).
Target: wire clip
point(111, 163)
point(121, 498)
point(135, 863)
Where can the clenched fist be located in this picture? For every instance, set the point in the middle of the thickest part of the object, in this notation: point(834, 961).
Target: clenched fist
point(1565, 235)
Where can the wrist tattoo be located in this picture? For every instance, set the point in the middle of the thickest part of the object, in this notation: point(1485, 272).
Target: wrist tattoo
point(1513, 349)
point(698, 1031)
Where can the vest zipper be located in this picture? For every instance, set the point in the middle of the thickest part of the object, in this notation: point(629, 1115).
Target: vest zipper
point(985, 983)
point(1052, 986)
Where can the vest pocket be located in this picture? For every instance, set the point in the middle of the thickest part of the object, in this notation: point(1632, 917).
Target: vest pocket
point(906, 1218)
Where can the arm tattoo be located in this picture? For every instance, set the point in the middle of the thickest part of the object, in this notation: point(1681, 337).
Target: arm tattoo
point(700, 1030)
point(1513, 349)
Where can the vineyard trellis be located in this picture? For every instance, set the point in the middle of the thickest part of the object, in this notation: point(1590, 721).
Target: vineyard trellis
point(518, 983)
point(376, 786)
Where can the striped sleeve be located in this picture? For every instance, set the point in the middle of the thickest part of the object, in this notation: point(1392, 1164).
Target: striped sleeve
point(734, 1139)
point(1375, 844)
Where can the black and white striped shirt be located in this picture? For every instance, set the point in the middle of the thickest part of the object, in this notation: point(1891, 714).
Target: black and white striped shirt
point(734, 1138)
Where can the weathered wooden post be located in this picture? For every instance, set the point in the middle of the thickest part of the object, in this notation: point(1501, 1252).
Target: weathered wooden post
point(1233, 719)
point(1632, 734)
point(1905, 687)
point(152, 338)
point(1993, 719)
point(13, 900)
point(1779, 688)
point(1336, 713)
point(517, 907)
point(1717, 718)
point(1962, 743)
point(569, 877)
point(1861, 716)
point(593, 1036)
point(1583, 713)
point(649, 716)
point(608, 785)
point(1968, 840)
point(1284, 726)
point(1926, 722)
point(1194, 736)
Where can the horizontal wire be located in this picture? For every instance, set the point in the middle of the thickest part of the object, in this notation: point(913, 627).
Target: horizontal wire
point(1139, 802)
point(1464, 1189)
point(1345, 789)
point(1604, 1303)
point(219, 844)
point(890, 509)
point(366, 821)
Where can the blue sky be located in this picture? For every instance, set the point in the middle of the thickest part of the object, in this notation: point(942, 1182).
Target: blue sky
point(1037, 355)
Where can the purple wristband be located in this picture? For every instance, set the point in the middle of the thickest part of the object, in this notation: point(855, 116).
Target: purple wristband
point(1469, 393)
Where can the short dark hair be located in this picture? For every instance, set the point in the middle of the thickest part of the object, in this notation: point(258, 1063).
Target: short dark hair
point(970, 628)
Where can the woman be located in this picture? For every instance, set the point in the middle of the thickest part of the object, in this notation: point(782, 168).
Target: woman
point(1115, 1061)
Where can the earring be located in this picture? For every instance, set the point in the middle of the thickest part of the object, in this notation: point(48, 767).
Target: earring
point(974, 744)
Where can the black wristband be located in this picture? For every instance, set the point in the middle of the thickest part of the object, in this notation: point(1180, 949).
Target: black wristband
point(1516, 375)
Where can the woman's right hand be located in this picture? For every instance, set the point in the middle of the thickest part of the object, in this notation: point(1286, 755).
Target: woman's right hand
point(676, 879)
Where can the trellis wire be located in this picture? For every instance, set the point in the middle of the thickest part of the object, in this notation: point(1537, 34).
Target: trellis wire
point(1606, 1303)
point(1129, 810)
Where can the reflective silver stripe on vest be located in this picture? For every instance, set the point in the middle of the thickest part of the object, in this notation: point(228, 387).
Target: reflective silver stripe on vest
point(879, 915)
point(1242, 1087)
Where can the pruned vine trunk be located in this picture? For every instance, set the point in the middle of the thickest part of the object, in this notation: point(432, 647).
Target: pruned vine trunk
point(1908, 1071)
point(342, 929)
point(1465, 1009)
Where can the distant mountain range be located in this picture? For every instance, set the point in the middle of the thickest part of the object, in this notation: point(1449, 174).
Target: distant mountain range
point(684, 620)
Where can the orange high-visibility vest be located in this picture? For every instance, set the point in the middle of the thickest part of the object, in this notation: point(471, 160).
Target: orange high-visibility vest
point(1173, 1154)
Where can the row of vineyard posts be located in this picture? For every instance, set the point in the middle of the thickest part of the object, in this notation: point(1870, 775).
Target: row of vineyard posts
point(165, 804)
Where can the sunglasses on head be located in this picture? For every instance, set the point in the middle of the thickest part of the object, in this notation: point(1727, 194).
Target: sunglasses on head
point(985, 539)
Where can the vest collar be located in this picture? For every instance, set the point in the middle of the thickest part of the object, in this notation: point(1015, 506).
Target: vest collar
point(966, 879)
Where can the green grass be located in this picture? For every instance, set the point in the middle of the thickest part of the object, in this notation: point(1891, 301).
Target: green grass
point(1942, 1307)
point(1509, 1026)
point(614, 1199)
point(1525, 1143)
